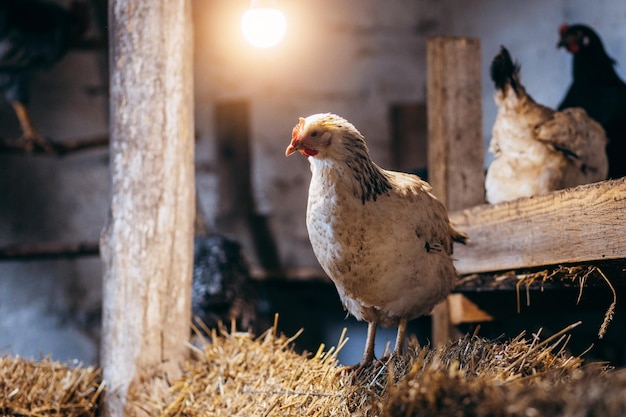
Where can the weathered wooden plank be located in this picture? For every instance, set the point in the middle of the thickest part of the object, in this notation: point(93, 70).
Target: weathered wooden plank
point(232, 134)
point(455, 140)
point(586, 223)
point(463, 310)
point(48, 250)
point(409, 138)
point(147, 244)
point(454, 110)
point(238, 214)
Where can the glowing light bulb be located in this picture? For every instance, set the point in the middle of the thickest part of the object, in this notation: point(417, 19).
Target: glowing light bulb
point(263, 25)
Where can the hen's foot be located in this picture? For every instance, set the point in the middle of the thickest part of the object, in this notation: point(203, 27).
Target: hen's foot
point(365, 371)
point(358, 370)
point(33, 140)
point(351, 369)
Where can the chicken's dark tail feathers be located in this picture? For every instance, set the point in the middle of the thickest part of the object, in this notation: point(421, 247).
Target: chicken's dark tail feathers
point(504, 71)
point(459, 237)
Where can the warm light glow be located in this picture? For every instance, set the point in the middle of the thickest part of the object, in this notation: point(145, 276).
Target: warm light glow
point(263, 27)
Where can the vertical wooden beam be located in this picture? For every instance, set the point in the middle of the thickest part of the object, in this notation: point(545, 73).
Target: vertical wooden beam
point(232, 133)
point(237, 208)
point(455, 140)
point(409, 138)
point(147, 243)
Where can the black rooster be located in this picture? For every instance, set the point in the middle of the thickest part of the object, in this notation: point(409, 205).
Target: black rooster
point(598, 89)
point(222, 289)
point(33, 36)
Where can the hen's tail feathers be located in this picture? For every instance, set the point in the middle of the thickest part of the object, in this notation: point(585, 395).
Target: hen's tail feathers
point(504, 71)
point(459, 237)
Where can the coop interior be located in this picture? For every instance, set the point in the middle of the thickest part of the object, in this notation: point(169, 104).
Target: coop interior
point(541, 280)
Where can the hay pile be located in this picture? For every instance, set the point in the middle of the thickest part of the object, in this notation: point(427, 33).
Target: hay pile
point(234, 374)
point(44, 388)
point(521, 378)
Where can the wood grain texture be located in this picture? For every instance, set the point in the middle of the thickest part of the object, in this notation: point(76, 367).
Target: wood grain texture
point(455, 141)
point(454, 111)
point(408, 137)
point(463, 310)
point(48, 250)
point(586, 223)
point(232, 135)
point(147, 243)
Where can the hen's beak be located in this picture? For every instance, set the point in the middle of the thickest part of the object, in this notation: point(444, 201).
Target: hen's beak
point(298, 145)
point(290, 149)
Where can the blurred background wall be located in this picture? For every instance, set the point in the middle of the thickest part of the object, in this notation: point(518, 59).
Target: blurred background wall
point(362, 59)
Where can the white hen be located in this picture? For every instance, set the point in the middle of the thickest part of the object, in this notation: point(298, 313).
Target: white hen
point(381, 236)
point(537, 149)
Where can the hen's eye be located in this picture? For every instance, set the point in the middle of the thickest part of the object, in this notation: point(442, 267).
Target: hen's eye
point(314, 133)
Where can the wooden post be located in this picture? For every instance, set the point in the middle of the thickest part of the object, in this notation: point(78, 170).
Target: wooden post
point(147, 243)
point(232, 133)
point(409, 137)
point(455, 140)
point(237, 204)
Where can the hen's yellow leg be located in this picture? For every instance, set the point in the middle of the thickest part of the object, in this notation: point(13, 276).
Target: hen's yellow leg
point(30, 136)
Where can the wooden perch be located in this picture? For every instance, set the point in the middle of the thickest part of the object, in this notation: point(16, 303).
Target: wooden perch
point(582, 224)
point(60, 148)
point(53, 250)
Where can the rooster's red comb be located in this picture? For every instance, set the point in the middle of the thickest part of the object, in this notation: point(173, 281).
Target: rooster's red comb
point(563, 28)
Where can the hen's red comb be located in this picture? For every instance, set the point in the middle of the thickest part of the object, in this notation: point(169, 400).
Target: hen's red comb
point(297, 130)
point(563, 28)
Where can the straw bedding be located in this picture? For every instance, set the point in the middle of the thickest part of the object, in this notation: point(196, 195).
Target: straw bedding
point(233, 373)
point(47, 388)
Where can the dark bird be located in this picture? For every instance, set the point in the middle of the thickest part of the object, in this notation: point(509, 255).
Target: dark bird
point(381, 236)
point(597, 88)
point(34, 35)
point(537, 149)
point(222, 289)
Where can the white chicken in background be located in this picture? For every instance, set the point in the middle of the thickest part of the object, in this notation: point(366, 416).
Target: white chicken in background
point(537, 149)
point(381, 236)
